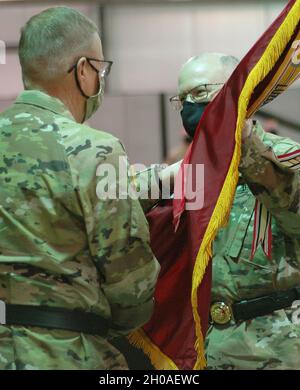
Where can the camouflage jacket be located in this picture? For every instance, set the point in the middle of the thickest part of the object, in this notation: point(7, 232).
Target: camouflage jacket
point(271, 341)
point(62, 246)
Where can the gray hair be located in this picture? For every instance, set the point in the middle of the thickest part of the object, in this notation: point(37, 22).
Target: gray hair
point(50, 41)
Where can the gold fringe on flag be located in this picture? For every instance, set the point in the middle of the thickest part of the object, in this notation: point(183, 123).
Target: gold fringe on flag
point(159, 360)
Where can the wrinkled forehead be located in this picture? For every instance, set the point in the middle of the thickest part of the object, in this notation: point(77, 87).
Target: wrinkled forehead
point(194, 73)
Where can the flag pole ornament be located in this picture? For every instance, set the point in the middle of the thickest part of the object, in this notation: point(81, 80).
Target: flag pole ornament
point(174, 337)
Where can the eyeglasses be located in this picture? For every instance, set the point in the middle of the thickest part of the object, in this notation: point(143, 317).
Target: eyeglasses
point(196, 94)
point(104, 69)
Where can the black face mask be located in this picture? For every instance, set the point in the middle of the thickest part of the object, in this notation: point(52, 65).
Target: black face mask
point(191, 115)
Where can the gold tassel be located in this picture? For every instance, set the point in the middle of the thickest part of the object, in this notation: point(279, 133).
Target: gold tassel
point(159, 360)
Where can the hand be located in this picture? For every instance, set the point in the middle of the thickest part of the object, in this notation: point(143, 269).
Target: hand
point(247, 130)
point(168, 174)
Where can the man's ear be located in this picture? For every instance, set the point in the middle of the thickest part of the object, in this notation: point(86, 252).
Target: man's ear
point(81, 69)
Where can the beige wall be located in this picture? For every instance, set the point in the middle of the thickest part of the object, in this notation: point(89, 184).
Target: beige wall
point(150, 43)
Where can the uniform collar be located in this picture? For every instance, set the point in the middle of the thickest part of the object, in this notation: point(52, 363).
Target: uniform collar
point(42, 100)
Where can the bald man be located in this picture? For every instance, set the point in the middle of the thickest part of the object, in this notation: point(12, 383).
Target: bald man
point(254, 320)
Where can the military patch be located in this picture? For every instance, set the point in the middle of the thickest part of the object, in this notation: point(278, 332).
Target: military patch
point(262, 233)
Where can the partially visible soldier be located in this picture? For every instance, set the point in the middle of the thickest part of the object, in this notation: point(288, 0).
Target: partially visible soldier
point(75, 270)
point(263, 294)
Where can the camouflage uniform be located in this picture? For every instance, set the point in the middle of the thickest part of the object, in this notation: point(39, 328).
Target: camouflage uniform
point(60, 245)
point(271, 341)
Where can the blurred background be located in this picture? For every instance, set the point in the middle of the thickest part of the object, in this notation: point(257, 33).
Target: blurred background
point(148, 42)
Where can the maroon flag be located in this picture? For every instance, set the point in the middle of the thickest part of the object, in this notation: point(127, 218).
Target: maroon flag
point(175, 335)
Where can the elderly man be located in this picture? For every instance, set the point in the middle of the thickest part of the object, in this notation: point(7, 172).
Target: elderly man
point(75, 270)
point(265, 331)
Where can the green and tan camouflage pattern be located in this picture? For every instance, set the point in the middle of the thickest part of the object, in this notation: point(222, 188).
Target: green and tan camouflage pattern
point(271, 341)
point(60, 245)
